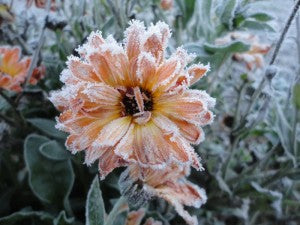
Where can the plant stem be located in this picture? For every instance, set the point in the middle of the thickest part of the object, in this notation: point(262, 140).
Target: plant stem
point(230, 156)
point(238, 105)
point(284, 32)
point(273, 58)
point(13, 106)
point(7, 120)
point(36, 53)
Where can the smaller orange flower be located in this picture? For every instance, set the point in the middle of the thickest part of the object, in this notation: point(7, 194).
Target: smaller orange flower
point(254, 57)
point(170, 184)
point(13, 69)
point(41, 4)
point(166, 4)
point(136, 217)
point(37, 74)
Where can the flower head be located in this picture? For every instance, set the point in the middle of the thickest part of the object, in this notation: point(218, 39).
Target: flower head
point(170, 184)
point(13, 69)
point(135, 218)
point(37, 74)
point(254, 57)
point(166, 4)
point(41, 4)
point(130, 104)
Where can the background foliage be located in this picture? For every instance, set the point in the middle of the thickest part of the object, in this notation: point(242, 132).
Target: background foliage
point(251, 154)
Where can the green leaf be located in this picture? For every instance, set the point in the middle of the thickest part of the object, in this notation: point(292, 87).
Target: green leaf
point(50, 180)
point(62, 219)
point(296, 95)
point(256, 25)
point(47, 127)
point(95, 210)
point(187, 8)
point(233, 47)
point(53, 150)
point(274, 196)
point(196, 49)
point(262, 17)
point(228, 12)
point(38, 218)
point(119, 207)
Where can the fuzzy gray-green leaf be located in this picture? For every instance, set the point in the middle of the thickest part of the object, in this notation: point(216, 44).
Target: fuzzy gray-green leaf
point(95, 210)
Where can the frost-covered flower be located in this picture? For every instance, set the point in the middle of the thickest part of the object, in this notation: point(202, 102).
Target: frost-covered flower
point(254, 57)
point(170, 184)
point(41, 4)
point(136, 217)
point(37, 74)
point(166, 4)
point(13, 69)
point(131, 104)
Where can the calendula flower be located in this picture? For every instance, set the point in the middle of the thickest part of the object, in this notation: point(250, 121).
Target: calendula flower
point(41, 4)
point(136, 217)
point(170, 184)
point(254, 57)
point(13, 69)
point(130, 104)
point(166, 4)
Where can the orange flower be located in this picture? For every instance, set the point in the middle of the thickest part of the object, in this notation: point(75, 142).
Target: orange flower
point(41, 4)
point(170, 184)
point(13, 70)
point(253, 57)
point(37, 74)
point(133, 105)
point(135, 218)
point(166, 4)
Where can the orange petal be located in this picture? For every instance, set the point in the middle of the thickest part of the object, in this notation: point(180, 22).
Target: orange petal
point(110, 67)
point(156, 39)
point(196, 72)
point(146, 69)
point(80, 141)
point(101, 94)
point(135, 217)
point(190, 131)
point(151, 221)
point(82, 71)
point(108, 162)
point(133, 36)
point(183, 193)
point(111, 134)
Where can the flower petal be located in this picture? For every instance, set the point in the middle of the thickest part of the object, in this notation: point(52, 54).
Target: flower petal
point(82, 71)
point(111, 134)
point(108, 161)
point(133, 36)
point(196, 72)
point(135, 217)
point(156, 39)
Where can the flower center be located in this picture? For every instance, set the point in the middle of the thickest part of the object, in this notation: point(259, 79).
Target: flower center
point(137, 100)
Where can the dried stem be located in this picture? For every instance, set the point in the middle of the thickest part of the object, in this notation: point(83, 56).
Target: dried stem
point(233, 150)
point(273, 58)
